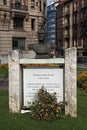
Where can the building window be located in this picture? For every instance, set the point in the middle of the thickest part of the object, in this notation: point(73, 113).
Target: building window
point(18, 1)
point(4, 2)
point(44, 7)
point(85, 1)
point(32, 3)
point(84, 15)
point(18, 23)
point(40, 6)
point(76, 5)
point(75, 19)
point(18, 43)
point(36, 3)
point(33, 24)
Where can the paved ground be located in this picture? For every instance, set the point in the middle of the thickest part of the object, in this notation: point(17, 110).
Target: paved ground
point(3, 87)
point(82, 65)
point(3, 82)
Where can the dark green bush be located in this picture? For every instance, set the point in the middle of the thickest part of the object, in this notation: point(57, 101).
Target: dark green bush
point(46, 107)
point(82, 81)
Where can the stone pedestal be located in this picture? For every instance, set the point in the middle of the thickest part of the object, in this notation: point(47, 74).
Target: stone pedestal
point(71, 82)
point(15, 82)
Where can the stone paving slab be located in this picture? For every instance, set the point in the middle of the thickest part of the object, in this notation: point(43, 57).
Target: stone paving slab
point(3, 82)
point(3, 87)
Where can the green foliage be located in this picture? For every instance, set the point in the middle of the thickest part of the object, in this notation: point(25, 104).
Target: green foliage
point(46, 107)
point(3, 69)
point(81, 69)
point(82, 81)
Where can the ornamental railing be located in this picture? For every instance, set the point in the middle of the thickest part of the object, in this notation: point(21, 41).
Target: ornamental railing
point(19, 6)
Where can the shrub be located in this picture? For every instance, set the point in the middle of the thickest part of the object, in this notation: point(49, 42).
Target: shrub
point(38, 65)
point(3, 66)
point(4, 69)
point(46, 107)
point(82, 81)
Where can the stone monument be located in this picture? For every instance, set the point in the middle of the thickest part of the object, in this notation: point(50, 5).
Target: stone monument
point(16, 79)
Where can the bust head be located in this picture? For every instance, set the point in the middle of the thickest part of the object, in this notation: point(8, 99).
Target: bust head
point(41, 35)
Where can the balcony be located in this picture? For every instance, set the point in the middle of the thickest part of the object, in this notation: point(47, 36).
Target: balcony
point(67, 1)
point(66, 35)
point(75, 10)
point(75, 25)
point(83, 33)
point(18, 6)
point(84, 6)
point(75, 33)
point(66, 26)
point(83, 20)
point(67, 13)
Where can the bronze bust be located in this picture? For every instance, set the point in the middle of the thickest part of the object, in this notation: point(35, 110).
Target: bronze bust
point(42, 49)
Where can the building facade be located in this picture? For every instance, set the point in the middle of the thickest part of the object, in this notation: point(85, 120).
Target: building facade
point(19, 23)
point(59, 25)
point(74, 25)
point(83, 26)
point(51, 24)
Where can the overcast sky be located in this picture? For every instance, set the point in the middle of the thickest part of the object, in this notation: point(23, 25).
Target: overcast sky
point(48, 2)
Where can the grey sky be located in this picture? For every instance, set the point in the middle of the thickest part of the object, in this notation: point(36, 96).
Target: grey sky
point(48, 2)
